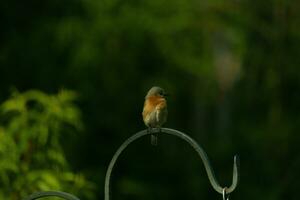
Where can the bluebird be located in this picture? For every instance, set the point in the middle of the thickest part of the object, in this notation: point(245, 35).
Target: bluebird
point(155, 110)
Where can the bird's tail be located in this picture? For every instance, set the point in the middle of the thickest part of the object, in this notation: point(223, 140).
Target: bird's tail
point(154, 140)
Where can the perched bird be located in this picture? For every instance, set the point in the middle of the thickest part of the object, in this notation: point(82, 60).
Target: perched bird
point(155, 110)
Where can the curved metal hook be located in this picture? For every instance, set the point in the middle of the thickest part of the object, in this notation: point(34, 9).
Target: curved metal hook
point(225, 195)
point(193, 143)
point(63, 195)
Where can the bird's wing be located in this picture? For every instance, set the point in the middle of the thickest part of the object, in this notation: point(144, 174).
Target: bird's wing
point(161, 112)
point(162, 104)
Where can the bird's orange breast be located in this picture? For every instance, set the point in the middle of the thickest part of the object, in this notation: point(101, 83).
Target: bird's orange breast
point(152, 103)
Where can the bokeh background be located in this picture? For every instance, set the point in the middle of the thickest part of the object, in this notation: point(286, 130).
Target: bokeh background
point(73, 76)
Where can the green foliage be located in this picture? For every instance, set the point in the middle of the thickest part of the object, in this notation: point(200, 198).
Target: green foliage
point(31, 144)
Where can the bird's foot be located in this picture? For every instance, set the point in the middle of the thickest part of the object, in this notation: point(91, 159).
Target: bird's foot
point(154, 140)
point(153, 136)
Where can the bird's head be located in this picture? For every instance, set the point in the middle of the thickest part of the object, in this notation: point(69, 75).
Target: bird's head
point(156, 91)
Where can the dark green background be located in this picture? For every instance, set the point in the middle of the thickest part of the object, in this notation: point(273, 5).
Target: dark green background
point(231, 67)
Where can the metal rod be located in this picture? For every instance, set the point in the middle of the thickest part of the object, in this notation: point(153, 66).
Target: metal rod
point(63, 195)
point(193, 143)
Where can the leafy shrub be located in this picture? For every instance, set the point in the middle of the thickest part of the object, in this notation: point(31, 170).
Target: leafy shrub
point(31, 154)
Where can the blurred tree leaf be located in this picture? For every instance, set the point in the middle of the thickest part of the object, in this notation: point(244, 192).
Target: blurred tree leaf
point(32, 157)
